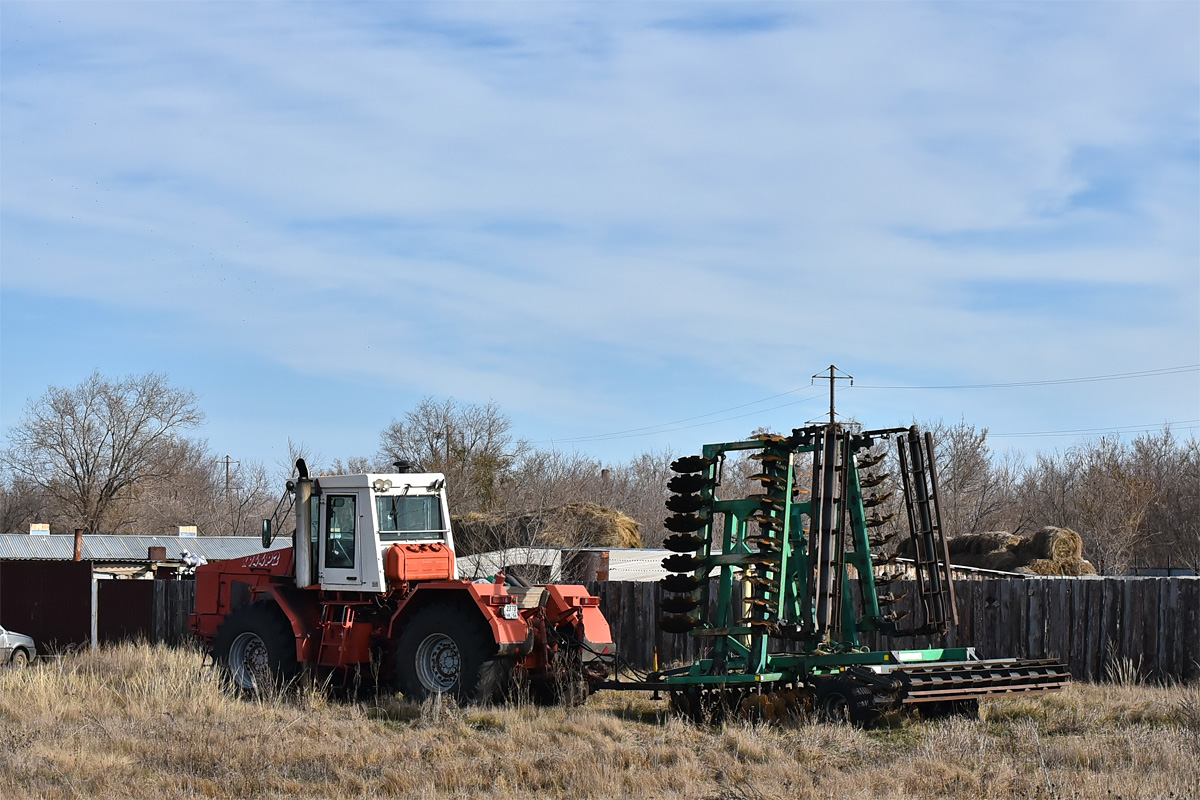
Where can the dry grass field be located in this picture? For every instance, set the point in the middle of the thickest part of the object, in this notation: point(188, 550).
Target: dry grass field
point(148, 722)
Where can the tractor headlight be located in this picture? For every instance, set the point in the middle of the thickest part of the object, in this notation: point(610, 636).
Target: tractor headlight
point(510, 611)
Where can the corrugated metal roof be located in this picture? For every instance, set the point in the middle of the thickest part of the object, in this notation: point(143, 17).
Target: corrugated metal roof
point(106, 547)
point(624, 564)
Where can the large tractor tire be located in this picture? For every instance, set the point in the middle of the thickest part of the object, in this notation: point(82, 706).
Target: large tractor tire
point(256, 648)
point(443, 650)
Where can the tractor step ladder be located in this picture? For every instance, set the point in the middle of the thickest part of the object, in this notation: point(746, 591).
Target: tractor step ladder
point(335, 633)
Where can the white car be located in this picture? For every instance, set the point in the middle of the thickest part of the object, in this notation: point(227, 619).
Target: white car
point(16, 649)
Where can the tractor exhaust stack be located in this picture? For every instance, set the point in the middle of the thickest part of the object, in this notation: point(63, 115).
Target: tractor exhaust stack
point(301, 547)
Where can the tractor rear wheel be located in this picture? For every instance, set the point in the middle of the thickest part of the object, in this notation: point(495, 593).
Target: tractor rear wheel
point(442, 651)
point(256, 648)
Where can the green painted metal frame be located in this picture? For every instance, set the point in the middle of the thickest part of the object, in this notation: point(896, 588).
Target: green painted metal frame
point(787, 667)
point(740, 653)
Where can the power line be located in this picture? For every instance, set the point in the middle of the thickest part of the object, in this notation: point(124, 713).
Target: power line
point(680, 421)
point(639, 432)
point(1149, 373)
point(665, 427)
point(1185, 424)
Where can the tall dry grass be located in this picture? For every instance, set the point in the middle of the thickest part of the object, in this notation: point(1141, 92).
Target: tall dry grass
point(150, 722)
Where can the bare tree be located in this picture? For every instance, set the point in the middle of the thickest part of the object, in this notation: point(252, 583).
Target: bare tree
point(973, 484)
point(1172, 522)
point(90, 445)
point(1097, 490)
point(472, 444)
point(21, 502)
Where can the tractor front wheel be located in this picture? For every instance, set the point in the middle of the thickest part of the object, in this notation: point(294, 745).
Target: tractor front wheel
point(442, 651)
point(256, 648)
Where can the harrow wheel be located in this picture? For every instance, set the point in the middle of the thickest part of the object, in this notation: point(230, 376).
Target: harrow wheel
point(707, 706)
point(844, 700)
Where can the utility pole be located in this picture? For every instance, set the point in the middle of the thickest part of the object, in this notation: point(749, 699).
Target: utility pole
point(831, 377)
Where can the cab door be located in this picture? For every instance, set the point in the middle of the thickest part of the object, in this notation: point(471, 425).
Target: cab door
point(341, 545)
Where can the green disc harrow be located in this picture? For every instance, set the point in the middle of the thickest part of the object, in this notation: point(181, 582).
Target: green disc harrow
point(782, 582)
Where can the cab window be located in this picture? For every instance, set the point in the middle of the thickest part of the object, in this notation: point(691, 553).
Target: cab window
point(409, 517)
point(340, 518)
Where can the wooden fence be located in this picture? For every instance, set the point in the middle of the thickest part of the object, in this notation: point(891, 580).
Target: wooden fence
point(1096, 625)
point(170, 606)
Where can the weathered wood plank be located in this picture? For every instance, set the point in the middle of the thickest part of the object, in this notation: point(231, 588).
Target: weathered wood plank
point(1078, 661)
point(1130, 631)
point(1187, 630)
point(1094, 607)
point(1035, 636)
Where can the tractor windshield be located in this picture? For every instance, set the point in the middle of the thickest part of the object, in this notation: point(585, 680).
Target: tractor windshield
point(409, 517)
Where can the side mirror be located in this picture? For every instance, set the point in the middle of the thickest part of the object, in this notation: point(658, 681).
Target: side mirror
point(266, 533)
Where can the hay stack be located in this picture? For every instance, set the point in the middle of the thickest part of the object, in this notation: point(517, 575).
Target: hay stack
point(571, 525)
point(1050, 551)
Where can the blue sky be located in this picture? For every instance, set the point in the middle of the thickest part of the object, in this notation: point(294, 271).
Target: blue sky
point(613, 219)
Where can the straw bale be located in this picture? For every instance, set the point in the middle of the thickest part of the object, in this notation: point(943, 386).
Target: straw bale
point(570, 525)
point(1050, 551)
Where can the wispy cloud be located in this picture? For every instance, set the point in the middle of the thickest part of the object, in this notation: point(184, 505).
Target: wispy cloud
point(550, 205)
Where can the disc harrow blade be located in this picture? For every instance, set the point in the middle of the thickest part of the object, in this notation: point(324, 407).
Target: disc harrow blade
point(685, 503)
point(880, 541)
point(680, 604)
point(684, 523)
point(691, 464)
point(872, 479)
point(681, 583)
point(685, 484)
point(683, 542)
point(681, 562)
point(878, 499)
point(867, 460)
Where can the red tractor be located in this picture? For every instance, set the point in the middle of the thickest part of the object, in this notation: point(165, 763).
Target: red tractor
point(371, 594)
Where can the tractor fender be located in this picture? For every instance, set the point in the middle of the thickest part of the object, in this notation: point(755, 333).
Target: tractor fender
point(512, 636)
point(303, 615)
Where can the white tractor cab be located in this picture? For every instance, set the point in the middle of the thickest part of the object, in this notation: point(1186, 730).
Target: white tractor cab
point(362, 526)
